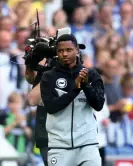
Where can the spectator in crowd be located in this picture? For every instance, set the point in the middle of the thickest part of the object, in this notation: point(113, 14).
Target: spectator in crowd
point(83, 34)
point(126, 12)
point(120, 56)
point(103, 25)
point(102, 57)
point(24, 12)
point(90, 10)
point(18, 51)
point(79, 19)
point(59, 19)
point(113, 43)
point(115, 13)
point(16, 128)
point(127, 91)
point(113, 89)
point(8, 79)
point(120, 133)
point(6, 23)
point(19, 43)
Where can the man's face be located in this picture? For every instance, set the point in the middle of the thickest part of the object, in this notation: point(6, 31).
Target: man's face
point(15, 107)
point(111, 68)
point(126, 11)
point(7, 24)
point(21, 38)
point(6, 38)
point(79, 16)
point(66, 52)
point(106, 11)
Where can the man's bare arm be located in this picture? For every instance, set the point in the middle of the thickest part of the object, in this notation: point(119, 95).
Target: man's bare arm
point(30, 75)
point(34, 97)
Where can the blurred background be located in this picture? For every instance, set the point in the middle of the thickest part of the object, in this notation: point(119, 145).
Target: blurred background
point(106, 28)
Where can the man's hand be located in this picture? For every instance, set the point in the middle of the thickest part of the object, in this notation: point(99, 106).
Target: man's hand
point(78, 82)
point(30, 75)
point(43, 62)
point(20, 119)
point(82, 77)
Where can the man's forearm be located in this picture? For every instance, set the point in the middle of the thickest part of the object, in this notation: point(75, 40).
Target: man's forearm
point(95, 95)
point(30, 75)
point(52, 101)
point(34, 97)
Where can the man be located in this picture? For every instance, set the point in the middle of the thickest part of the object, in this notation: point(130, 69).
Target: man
point(34, 100)
point(8, 80)
point(69, 92)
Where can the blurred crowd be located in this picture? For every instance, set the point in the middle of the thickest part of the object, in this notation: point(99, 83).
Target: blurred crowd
point(105, 27)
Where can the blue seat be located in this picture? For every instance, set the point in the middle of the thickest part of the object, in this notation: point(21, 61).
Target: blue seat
point(110, 150)
point(126, 150)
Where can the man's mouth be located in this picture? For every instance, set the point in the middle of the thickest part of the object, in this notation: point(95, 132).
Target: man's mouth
point(65, 59)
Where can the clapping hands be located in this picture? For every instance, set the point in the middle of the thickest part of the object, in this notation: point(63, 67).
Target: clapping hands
point(82, 77)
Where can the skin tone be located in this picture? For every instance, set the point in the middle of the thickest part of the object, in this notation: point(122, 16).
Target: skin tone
point(59, 15)
point(67, 52)
point(106, 21)
point(6, 38)
point(79, 17)
point(126, 12)
point(30, 75)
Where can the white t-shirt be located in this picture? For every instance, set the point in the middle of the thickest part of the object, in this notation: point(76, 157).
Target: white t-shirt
point(7, 85)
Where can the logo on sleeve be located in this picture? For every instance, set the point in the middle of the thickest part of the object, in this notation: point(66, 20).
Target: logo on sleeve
point(61, 83)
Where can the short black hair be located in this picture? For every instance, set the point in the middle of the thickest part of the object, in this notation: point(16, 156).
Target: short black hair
point(67, 37)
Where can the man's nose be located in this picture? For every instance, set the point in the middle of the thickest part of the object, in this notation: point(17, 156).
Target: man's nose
point(65, 54)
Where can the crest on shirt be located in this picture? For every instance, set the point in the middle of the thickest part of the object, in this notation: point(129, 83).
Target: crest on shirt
point(61, 83)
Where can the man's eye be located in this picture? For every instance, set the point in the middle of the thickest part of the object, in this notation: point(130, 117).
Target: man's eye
point(60, 51)
point(69, 49)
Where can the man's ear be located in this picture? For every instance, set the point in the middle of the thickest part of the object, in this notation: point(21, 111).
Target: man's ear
point(77, 50)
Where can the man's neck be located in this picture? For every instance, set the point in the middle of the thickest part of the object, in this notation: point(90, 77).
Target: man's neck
point(69, 66)
point(72, 64)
